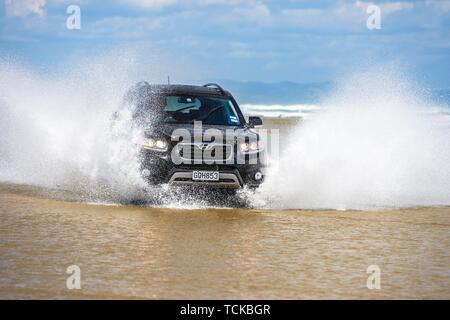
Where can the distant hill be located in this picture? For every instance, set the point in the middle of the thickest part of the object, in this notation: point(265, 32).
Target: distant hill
point(285, 92)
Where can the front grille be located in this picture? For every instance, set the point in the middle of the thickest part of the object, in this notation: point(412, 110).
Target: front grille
point(205, 152)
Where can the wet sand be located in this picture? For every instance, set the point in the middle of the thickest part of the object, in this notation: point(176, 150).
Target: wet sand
point(154, 253)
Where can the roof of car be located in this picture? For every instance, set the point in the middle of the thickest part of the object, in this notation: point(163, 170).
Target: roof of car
point(184, 89)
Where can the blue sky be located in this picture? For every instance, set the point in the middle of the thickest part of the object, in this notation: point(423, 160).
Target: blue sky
point(257, 40)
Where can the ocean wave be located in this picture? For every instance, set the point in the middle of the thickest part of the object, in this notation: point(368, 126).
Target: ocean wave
point(306, 111)
point(278, 110)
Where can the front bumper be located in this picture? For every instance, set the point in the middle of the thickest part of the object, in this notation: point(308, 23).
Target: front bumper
point(227, 180)
point(231, 176)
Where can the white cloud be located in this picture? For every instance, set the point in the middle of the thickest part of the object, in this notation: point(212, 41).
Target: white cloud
point(240, 50)
point(391, 7)
point(387, 8)
point(255, 13)
point(158, 4)
point(440, 5)
point(344, 15)
point(18, 8)
point(149, 4)
point(126, 27)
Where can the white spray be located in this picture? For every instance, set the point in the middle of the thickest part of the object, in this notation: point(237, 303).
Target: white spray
point(374, 144)
point(57, 131)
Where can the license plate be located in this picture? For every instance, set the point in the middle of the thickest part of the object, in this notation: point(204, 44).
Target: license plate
point(205, 175)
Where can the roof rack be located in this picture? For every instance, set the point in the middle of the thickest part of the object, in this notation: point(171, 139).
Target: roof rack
point(214, 85)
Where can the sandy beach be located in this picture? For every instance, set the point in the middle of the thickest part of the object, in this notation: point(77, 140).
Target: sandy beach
point(162, 253)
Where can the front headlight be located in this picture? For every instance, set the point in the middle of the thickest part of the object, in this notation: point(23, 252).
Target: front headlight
point(253, 146)
point(159, 144)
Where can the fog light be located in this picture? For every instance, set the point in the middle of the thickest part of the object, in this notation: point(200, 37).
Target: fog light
point(258, 176)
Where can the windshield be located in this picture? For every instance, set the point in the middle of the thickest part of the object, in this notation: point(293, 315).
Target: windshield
point(208, 109)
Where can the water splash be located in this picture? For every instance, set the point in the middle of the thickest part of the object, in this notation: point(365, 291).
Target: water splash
point(375, 143)
point(57, 130)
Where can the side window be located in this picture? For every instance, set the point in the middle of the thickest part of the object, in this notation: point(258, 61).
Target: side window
point(233, 116)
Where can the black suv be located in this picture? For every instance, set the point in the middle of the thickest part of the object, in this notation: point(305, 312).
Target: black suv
point(196, 136)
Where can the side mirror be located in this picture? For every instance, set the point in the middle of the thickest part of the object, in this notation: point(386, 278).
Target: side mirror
point(255, 121)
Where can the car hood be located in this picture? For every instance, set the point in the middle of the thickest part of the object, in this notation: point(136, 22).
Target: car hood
point(173, 131)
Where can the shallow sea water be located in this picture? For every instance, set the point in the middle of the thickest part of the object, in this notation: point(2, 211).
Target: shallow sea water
point(163, 253)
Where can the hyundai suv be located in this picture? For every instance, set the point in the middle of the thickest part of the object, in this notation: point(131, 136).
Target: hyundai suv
point(196, 136)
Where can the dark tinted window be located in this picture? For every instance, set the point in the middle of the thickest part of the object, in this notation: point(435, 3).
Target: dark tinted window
point(208, 109)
